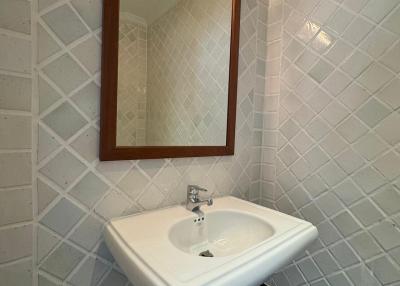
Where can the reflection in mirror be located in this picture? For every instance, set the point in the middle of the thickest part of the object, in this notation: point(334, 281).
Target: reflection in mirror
point(173, 73)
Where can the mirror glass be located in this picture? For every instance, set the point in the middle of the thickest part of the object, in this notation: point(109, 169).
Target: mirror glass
point(173, 72)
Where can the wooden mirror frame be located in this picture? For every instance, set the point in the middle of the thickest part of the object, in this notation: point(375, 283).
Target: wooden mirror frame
point(109, 151)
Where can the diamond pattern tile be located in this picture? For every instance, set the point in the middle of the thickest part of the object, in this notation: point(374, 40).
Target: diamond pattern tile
point(65, 121)
point(65, 24)
point(62, 261)
point(66, 73)
point(63, 169)
point(62, 217)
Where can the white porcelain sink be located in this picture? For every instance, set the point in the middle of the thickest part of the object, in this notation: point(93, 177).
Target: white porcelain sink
point(248, 243)
point(223, 233)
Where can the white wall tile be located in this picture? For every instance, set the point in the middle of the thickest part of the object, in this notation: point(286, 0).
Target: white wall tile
point(15, 206)
point(16, 15)
point(15, 132)
point(15, 243)
point(15, 54)
point(15, 169)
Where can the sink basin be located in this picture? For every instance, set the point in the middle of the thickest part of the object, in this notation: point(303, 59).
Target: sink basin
point(237, 243)
point(222, 233)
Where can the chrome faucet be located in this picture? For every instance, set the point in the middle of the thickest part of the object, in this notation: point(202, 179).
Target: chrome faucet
point(194, 202)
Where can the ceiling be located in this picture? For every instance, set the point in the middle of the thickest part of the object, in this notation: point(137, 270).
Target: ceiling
point(149, 10)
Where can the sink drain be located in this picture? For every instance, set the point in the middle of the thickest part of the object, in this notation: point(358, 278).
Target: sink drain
point(206, 253)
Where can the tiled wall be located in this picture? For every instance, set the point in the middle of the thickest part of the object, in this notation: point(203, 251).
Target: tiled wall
point(188, 72)
point(338, 160)
point(132, 81)
point(16, 212)
point(73, 193)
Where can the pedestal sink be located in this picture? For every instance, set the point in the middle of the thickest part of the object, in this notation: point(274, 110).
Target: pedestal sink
point(236, 243)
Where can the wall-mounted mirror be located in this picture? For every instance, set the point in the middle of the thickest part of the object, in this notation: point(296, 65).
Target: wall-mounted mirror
point(169, 78)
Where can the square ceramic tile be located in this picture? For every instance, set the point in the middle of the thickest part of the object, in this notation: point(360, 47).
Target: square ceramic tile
point(351, 129)
point(62, 217)
point(15, 169)
point(334, 113)
point(65, 121)
point(47, 95)
point(368, 179)
point(349, 161)
point(386, 128)
point(365, 245)
point(63, 169)
point(16, 16)
point(89, 53)
point(391, 58)
point(348, 192)
point(321, 71)
point(384, 270)
point(361, 274)
point(328, 233)
point(89, 190)
point(47, 46)
point(388, 199)
point(354, 96)
point(113, 205)
point(87, 144)
point(88, 100)
point(19, 273)
point(377, 42)
point(16, 206)
point(387, 165)
point(344, 255)
point(15, 54)
point(366, 212)
point(370, 146)
point(355, 5)
point(392, 23)
point(340, 20)
point(372, 112)
point(45, 195)
point(357, 31)
point(16, 93)
point(88, 233)
point(62, 261)
point(317, 129)
point(15, 243)
point(345, 223)
point(332, 173)
point(66, 73)
point(326, 262)
point(377, 10)
point(338, 52)
point(65, 24)
point(375, 77)
point(90, 273)
point(329, 204)
point(12, 139)
point(389, 94)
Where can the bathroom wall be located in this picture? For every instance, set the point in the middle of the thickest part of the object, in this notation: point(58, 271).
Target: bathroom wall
point(51, 50)
point(188, 74)
point(337, 136)
point(16, 212)
point(132, 81)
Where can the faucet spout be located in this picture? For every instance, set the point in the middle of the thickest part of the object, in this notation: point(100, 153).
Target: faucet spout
point(194, 202)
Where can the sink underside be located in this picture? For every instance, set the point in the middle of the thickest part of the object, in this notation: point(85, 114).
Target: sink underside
point(241, 244)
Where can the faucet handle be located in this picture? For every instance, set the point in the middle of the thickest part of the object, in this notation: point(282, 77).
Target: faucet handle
point(194, 190)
